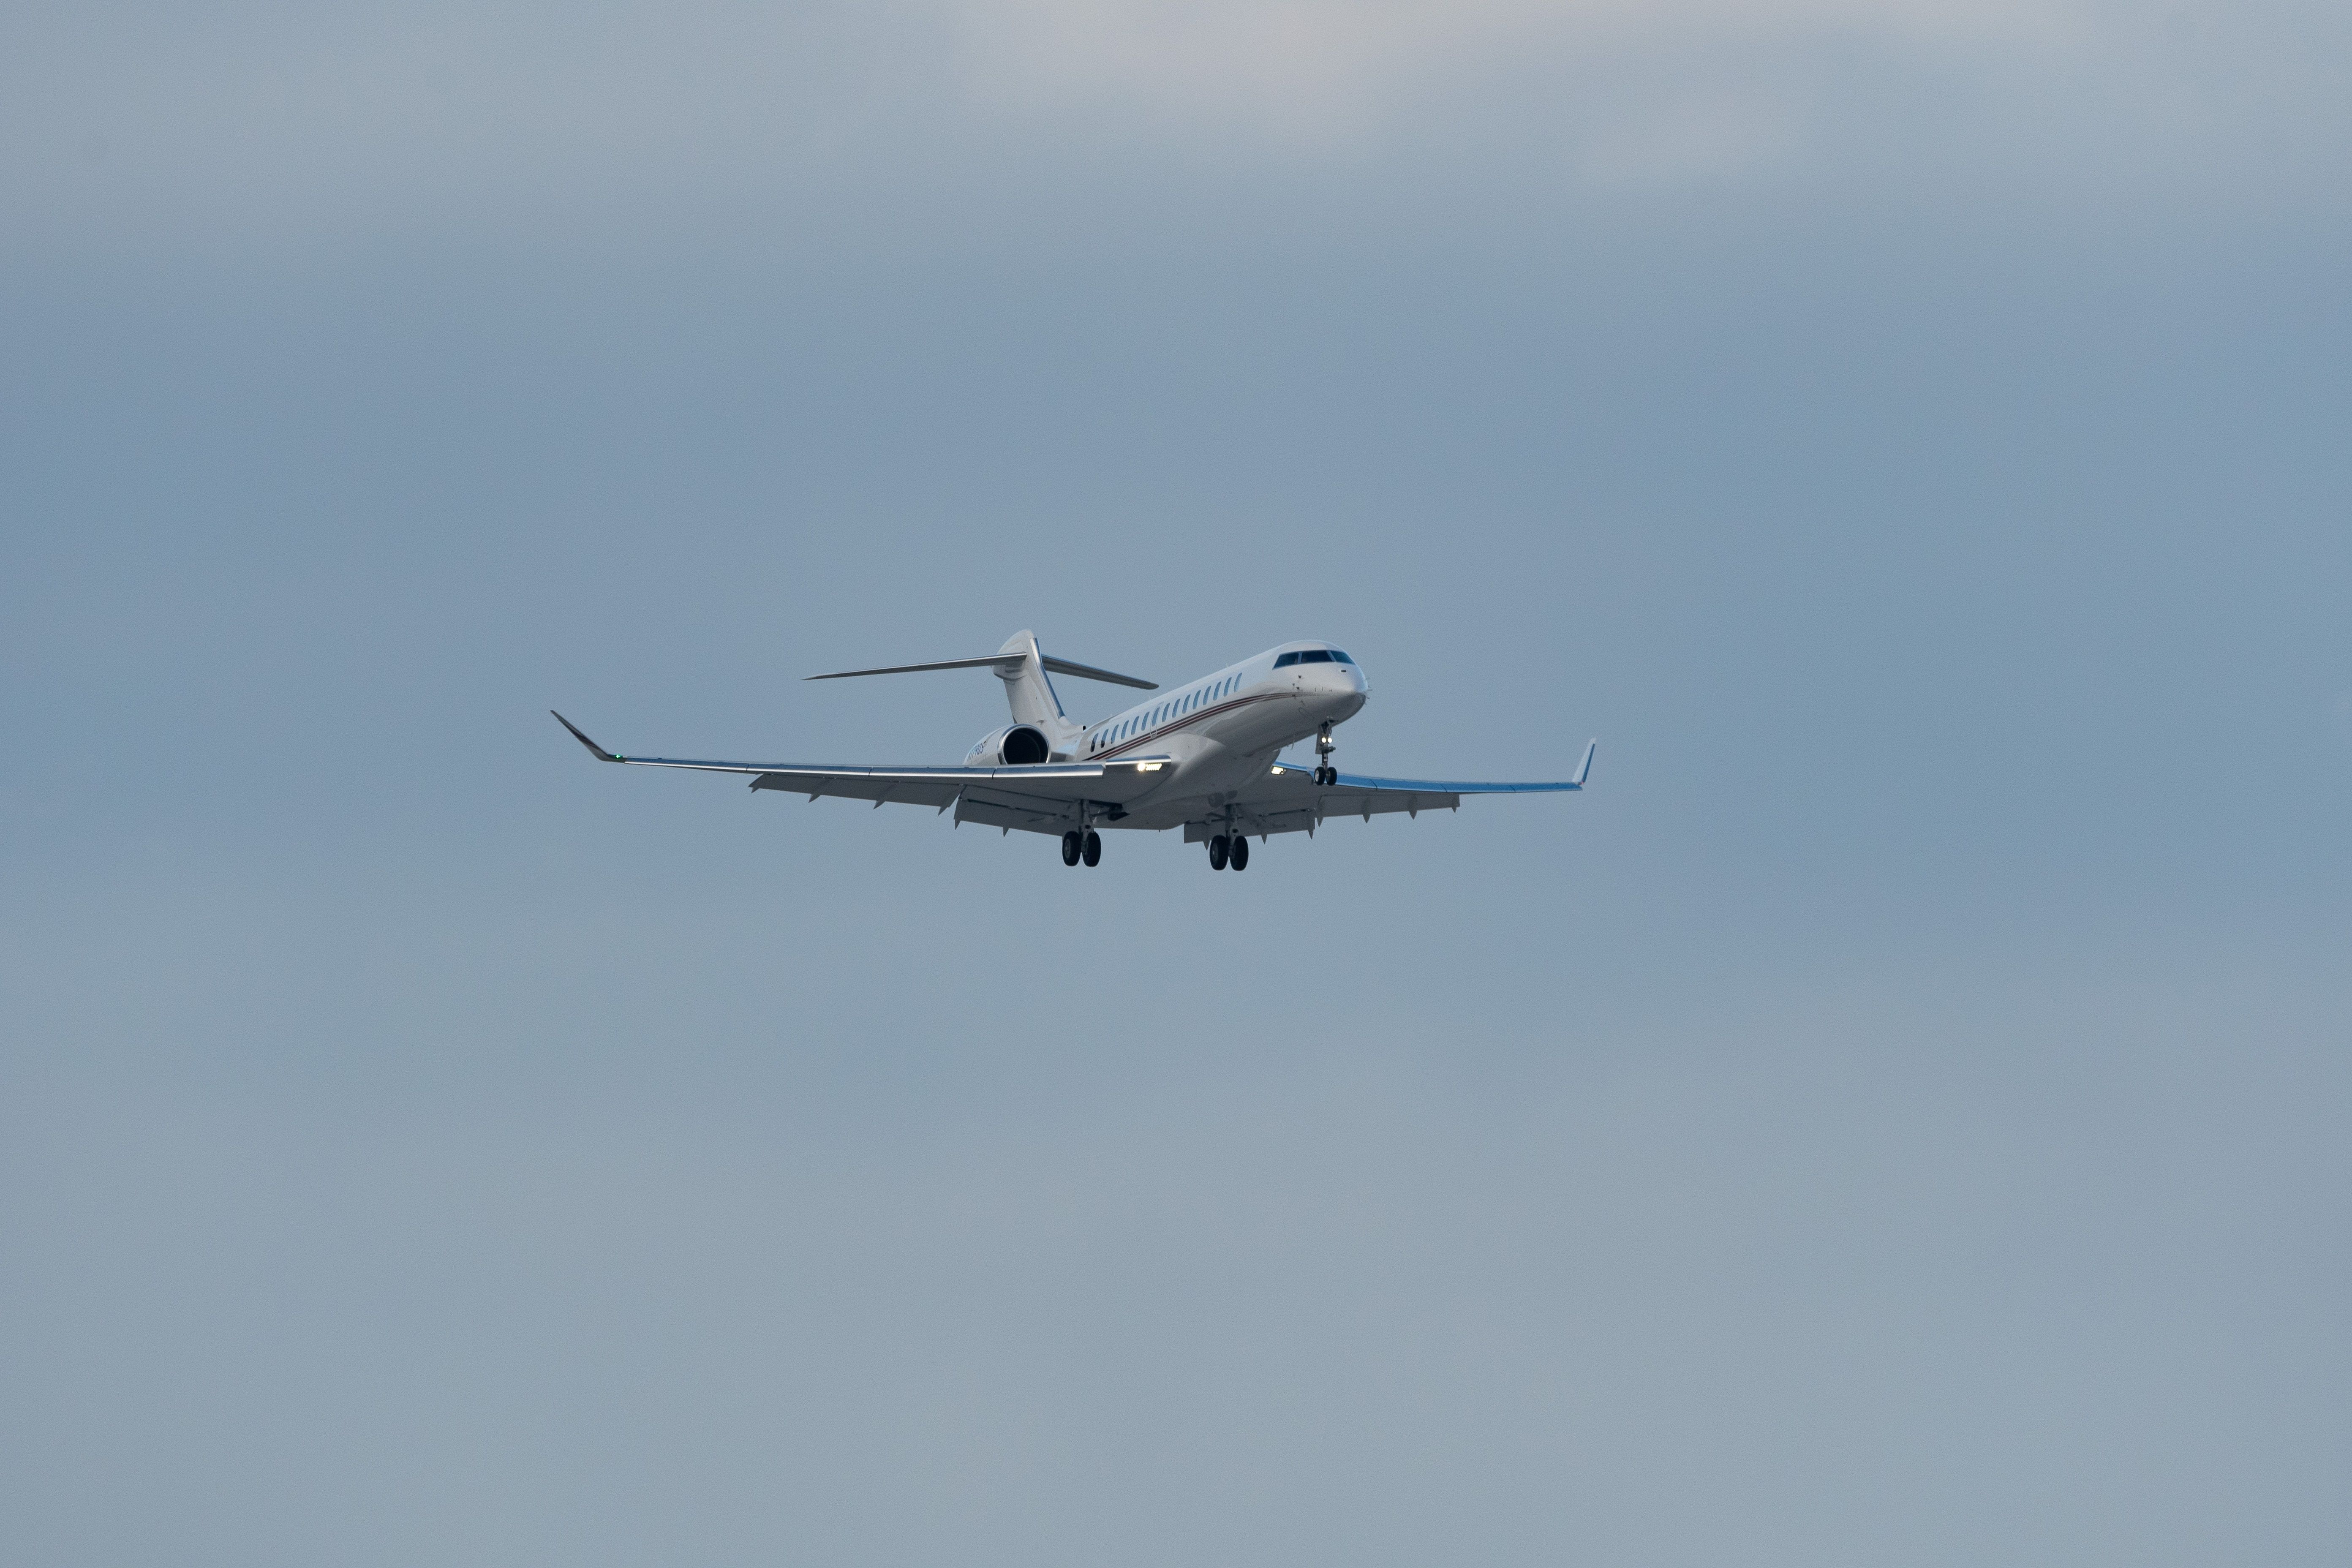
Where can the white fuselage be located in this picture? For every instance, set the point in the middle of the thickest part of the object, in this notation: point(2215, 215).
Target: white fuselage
point(1218, 732)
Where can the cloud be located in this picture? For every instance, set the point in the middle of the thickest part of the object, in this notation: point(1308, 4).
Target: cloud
point(258, 120)
point(1319, 71)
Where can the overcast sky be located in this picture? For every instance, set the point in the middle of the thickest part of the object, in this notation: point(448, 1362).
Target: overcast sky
point(1896, 1115)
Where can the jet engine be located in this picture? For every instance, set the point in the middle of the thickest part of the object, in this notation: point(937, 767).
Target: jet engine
point(1020, 746)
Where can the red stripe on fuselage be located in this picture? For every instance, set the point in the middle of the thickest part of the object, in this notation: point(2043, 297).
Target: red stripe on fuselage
point(1186, 722)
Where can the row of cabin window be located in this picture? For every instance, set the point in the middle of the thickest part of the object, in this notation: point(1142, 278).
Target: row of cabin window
point(1128, 727)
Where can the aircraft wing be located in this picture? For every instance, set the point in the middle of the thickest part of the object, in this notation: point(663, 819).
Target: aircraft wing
point(1288, 800)
point(1034, 796)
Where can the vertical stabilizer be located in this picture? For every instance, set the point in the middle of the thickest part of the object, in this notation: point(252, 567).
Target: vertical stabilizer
point(1030, 690)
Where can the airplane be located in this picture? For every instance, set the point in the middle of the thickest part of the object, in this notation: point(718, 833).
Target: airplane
point(1204, 757)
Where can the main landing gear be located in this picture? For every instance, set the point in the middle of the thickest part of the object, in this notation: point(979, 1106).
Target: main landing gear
point(1325, 773)
point(1228, 849)
point(1082, 844)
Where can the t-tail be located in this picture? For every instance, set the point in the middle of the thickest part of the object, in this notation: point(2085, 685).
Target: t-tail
point(1027, 672)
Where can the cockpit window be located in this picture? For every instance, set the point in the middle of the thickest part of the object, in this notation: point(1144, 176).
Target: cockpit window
point(1338, 658)
point(1285, 660)
point(1316, 656)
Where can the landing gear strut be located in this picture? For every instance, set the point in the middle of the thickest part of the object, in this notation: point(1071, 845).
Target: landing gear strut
point(1325, 773)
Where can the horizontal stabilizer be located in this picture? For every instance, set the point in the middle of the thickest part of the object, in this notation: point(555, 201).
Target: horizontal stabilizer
point(916, 669)
point(1003, 663)
point(1088, 672)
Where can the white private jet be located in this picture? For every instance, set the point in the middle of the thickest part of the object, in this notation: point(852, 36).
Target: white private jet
point(1203, 759)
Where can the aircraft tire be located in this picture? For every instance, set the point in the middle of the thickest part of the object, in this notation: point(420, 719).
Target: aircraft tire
point(1070, 847)
point(1217, 853)
point(1092, 847)
point(1238, 855)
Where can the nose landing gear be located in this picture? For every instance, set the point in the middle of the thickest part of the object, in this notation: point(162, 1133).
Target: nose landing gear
point(1325, 773)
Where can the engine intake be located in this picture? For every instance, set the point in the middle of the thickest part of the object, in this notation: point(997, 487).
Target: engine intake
point(1023, 747)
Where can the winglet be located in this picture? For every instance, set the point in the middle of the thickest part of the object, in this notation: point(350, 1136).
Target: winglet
point(602, 755)
point(1582, 773)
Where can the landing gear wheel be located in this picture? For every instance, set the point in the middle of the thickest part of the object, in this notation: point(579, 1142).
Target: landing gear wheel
point(1071, 844)
point(1327, 778)
point(1092, 848)
point(1238, 855)
point(1217, 853)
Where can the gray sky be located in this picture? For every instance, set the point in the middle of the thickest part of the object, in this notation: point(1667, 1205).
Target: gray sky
point(1895, 1116)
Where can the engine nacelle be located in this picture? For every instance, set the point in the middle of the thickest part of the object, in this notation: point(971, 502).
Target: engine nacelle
point(1015, 746)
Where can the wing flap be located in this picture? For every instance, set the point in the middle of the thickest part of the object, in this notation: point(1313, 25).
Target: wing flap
point(1287, 799)
point(1364, 782)
point(1049, 785)
point(861, 786)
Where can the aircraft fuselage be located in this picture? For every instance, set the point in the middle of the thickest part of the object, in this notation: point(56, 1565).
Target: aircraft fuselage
point(1214, 735)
